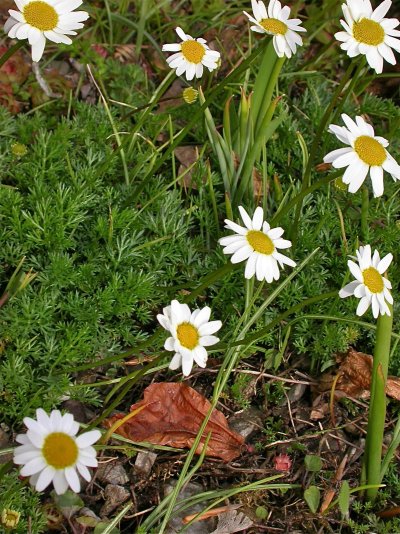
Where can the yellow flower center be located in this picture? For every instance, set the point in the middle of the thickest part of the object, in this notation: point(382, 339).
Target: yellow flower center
point(10, 518)
point(369, 32)
point(370, 150)
point(373, 280)
point(275, 26)
point(41, 15)
point(188, 335)
point(60, 450)
point(193, 51)
point(190, 95)
point(260, 242)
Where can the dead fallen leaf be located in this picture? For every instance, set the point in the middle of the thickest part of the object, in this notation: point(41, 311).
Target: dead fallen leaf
point(211, 513)
point(355, 377)
point(171, 98)
point(232, 522)
point(187, 157)
point(172, 415)
point(125, 53)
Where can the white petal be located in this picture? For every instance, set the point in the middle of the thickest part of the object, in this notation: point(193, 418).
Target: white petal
point(376, 173)
point(363, 306)
point(60, 482)
point(250, 266)
point(381, 10)
point(284, 260)
point(190, 71)
point(360, 291)
point(187, 364)
point(390, 165)
point(57, 37)
point(181, 34)
point(258, 218)
point(24, 457)
point(33, 466)
point(348, 290)
point(23, 438)
point(88, 438)
point(274, 233)
point(200, 356)
point(180, 312)
point(245, 218)
point(72, 479)
point(262, 270)
point(344, 160)
point(84, 471)
point(169, 343)
point(10, 23)
point(56, 421)
point(375, 306)
point(173, 47)
point(210, 328)
point(35, 438)
point(45, 478)
point(335, 154)
point(375, 60)
point(163, 321)
point(355, 271)
point(38, 48)
point(206, 341)
point(242, 254)
point(384, 263)
point(68, 425)
point(282, 243)
point(387, 53)
point(235, 227)
point(355, 175)
point(202, 316)
point(67, 6)
point(87, 459)
point(176, 362)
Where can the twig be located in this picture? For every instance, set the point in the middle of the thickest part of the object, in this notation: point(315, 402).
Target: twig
point(42, 82)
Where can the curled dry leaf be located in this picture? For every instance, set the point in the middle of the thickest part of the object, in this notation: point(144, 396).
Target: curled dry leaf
point(231, 522)
point(172, 415)
point(355, 377)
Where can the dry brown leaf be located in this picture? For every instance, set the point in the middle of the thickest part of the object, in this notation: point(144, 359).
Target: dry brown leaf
point(231, 522)
point(125, 53)
point(172, 415)
point(355, 377)
point(187, 157)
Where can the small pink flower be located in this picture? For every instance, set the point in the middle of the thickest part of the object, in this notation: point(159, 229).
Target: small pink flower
point(282, 462)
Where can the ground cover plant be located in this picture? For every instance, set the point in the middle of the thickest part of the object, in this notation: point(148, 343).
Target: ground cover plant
point(199, 266)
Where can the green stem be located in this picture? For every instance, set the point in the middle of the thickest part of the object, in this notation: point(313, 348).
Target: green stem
point(314, 147)
point(10, 52)
point(377, 409)
point(364, 214)
point(354, 80)
point(259, 122)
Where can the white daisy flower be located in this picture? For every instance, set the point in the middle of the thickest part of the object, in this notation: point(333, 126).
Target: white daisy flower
point(369, 33)
point(370, 286)
point(191, 56)
point(38, 20)
point(257, 246)
point(366, 152)
point(275, 21)
point(190, 333)
point(50, 452)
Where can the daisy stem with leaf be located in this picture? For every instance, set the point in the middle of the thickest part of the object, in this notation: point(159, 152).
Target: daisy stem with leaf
point(352, 73)
point(377, 409)
point(364, 213)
